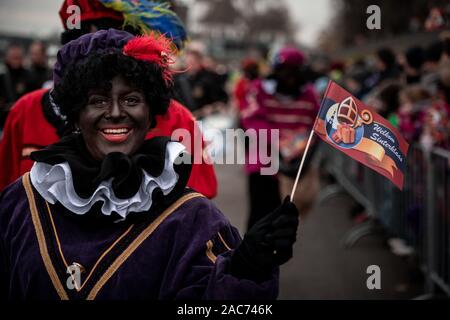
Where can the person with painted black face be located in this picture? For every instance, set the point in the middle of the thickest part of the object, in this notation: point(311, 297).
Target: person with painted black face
point(112, 208)
point(34, 123)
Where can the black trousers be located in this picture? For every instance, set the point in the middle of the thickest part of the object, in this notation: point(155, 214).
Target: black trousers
point(264, 196)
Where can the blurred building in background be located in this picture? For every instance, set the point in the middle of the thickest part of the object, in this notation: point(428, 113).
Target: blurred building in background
point(403, 23)
point(229, 28)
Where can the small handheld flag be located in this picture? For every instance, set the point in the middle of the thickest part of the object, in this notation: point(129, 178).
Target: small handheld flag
point(348, 125)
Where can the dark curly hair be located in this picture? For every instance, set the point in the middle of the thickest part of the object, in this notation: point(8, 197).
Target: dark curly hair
point(97, 70)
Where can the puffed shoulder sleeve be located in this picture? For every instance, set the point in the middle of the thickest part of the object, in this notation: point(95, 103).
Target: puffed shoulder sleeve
point(202, 266)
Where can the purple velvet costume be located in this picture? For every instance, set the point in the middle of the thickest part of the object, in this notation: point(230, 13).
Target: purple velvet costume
point(185, 257)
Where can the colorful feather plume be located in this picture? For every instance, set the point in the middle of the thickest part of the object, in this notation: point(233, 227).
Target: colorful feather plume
point(148, 17)
point(155, 49)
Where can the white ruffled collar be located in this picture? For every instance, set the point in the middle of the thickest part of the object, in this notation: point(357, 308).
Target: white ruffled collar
point(55, 184)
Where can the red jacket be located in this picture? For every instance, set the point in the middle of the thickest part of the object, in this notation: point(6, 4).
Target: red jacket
point(28, 130)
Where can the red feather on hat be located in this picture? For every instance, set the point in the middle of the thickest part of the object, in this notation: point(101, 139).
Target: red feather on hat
point(153, 48)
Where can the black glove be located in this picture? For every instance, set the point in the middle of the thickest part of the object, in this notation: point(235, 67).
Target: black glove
point(267, 244)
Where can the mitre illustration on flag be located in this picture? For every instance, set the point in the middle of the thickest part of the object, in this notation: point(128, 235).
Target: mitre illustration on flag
point(354, 128)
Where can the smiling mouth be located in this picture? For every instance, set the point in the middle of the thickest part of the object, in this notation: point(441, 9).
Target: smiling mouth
point(116, 135)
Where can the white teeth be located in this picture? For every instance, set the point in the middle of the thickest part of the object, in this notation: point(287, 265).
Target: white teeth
point(115, 131)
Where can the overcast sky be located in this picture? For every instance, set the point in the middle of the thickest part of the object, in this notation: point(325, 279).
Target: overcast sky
point(40, 17)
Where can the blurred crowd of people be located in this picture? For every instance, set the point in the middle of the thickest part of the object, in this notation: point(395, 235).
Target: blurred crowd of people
point(199, 85)
point(410, 88)
point(22, 72)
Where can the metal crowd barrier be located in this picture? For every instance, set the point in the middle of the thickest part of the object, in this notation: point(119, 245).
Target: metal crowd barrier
point(420, 214)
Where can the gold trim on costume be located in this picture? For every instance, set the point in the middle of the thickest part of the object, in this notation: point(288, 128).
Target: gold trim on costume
point(209, 253)
point(137, 242)
point(223, 241)
point(98, 260)
point(41, 239)
point(104, 254)
point(56, 235)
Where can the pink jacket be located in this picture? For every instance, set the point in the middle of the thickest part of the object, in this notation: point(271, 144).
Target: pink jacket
point(294, 118)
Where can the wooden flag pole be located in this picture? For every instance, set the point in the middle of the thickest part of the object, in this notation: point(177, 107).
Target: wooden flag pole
point(301, 164)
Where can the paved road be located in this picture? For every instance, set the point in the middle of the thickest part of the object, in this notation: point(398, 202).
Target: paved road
point(321, 267)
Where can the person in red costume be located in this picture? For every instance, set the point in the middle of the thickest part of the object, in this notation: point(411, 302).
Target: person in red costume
point(33, 123)
point(250, 72)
